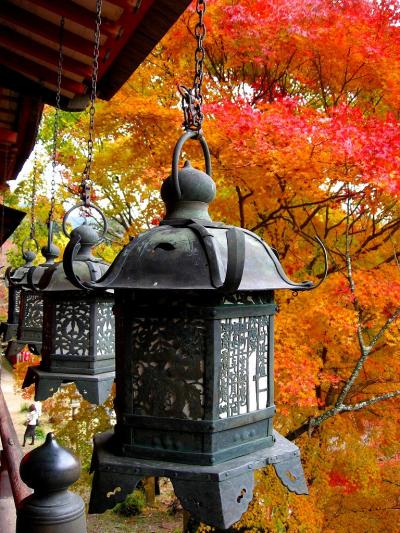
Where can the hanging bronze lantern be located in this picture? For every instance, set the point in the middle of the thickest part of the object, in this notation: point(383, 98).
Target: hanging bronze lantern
point(194, 306)
point(78, 334)
point(29, 329)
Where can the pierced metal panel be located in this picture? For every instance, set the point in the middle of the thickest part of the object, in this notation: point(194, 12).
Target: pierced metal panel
point(246, 298)
point(47, 337)
point(243, 380)
point(105, 328)
point(168, 367)
point(33, 310)
point(72, 329)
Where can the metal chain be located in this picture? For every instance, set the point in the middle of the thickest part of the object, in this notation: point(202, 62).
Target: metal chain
point(33, 195)
point(86, 184)
point(192, 99)
point(2, 226)
point(56, 122)
point(3, 207)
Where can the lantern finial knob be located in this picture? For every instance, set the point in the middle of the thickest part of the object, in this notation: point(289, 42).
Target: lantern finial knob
point(88, 239)
point(188, 191)
point(50, 252)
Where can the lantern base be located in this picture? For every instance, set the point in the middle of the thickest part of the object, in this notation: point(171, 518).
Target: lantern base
point(94, 388)
point(8, 331)
point(216, 495)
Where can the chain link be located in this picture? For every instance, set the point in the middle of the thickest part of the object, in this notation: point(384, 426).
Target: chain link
point(56, 123)
point(86, 184)
point(33, 195)
point(192, 99)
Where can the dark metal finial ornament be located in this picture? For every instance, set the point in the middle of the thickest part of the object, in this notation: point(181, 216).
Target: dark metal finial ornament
point(50, 469)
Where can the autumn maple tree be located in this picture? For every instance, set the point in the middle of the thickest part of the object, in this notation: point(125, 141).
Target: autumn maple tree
point(302, 105)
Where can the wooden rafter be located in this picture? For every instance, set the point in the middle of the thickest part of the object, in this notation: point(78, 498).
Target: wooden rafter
point(27, 47)
point(51, 32)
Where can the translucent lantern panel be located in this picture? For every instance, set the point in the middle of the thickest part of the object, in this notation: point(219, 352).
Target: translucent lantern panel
point(168, 367)
point(243, 384)
point(105, 328)
point(17, 300)
point(72, 329)
point(33, 310)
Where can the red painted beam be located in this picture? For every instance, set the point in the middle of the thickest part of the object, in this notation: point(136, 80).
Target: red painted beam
point(80, 15)
point(38, 72)
point(39, 26)
point(8, 136)
point(12, 453)
point(20, 44)
point(130, 23)
point(127, 4)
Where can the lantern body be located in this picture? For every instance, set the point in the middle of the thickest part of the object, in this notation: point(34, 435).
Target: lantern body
point(30, 320)
point(79, 334)
point(194, 375)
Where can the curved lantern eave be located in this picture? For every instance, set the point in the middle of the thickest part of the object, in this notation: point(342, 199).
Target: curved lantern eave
point(165, 258)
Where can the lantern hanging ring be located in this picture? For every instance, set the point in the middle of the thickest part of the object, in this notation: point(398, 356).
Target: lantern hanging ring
point(80, 206)
point(24, 245)
point(190, 134)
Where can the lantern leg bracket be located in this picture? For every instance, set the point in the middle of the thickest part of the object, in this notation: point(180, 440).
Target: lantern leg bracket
point(8, 330)
point(12, 350)
point(217, 495)
point(95, 388)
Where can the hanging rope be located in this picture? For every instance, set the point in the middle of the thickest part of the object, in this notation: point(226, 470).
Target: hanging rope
point(56, 125)
point(85, 187)
point(192, 99)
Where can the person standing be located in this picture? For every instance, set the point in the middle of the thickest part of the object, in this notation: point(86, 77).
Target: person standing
point(31, 421)
point(38, 407)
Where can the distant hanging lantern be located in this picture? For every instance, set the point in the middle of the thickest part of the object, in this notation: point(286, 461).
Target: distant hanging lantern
point(78, 333)
point(29, 307)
